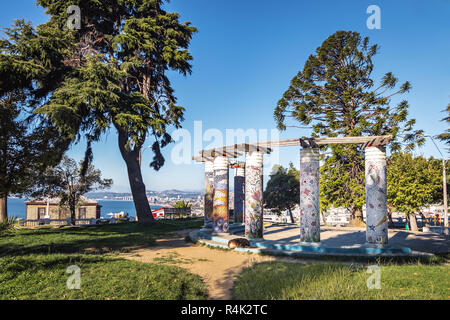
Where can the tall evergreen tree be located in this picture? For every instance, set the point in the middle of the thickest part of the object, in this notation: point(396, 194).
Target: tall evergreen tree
point(29, 69)
point(334, 93)
point(120, 59)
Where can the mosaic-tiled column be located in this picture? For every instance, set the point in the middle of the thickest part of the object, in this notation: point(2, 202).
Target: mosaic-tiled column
point(209, 194)
point(309, 195)
point(254, 195)
point(220, 209)
point(239, 195)
point(376, 206)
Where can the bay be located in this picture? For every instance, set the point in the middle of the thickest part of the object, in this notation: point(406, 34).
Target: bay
point(17, 207)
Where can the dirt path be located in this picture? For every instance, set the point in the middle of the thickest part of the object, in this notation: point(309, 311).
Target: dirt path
point(217, 268)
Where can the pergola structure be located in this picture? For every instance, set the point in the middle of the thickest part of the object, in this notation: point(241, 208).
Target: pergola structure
point(248, 189)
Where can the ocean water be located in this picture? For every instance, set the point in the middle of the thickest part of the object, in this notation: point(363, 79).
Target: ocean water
point(17, 207)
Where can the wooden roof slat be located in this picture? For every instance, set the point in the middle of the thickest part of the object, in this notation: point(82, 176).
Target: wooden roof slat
point(247, 147)
point(202, 159)
point(267, 146)
point(219, 152)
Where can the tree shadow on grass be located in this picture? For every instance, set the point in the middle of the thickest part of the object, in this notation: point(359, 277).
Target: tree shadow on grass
point(87, 239)
point(13, 266)
point(75, 246)
point(29, 263)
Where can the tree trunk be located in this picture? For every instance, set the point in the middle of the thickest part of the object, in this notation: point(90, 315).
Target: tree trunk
point(3, 207)
point(391, 222)
point(131, 157)
point(357, 218)
point(425, 222)
point(413, 222)
point(73, 215)
point(324, 218)
point(292, 217)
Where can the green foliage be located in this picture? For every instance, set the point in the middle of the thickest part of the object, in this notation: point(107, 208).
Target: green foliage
point(112, 73)
point(30, 65)
point(283, 189)
point(109, 238)
point(32, 61)
point(27, 146)
point(182, 207)
point(342, 179)
point(119, 63)
point(295, 281)
point(102, 278)
point(31, 259)
point(445, 136)
point(334, 93)
point(8, 224)
point(68, 182)
point(182, 204)
point(413, 182)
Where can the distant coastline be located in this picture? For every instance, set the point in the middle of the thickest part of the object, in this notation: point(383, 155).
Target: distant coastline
point(17, 207)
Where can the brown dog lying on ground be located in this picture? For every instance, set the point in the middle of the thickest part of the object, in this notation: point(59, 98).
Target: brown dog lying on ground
point(238, 243)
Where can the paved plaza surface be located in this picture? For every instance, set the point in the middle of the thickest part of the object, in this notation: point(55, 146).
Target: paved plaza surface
point(355, 237)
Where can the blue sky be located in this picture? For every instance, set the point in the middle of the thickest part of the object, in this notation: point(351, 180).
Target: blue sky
point(246, 52)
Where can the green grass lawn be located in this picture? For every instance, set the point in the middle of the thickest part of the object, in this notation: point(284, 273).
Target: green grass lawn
point(33, 263)
point(294, 281)
point(114, 237)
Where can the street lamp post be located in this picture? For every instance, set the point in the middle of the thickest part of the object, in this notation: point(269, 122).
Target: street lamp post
point(444, 181)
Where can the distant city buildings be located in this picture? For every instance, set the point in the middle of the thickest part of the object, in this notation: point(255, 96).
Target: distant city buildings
point(164, 198)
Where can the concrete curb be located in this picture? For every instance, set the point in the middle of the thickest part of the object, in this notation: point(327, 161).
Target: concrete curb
point(314, 250)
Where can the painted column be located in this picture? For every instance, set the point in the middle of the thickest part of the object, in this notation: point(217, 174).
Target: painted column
point(376, 206)
point(209, 194)
point(239, 194)
point(220, 203)
point(309, 195)
point(254, 195)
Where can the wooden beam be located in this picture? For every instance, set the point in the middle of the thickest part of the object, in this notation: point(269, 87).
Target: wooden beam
point(202, 159)
point(221, 152)
point(247, 147)
point(267, 146)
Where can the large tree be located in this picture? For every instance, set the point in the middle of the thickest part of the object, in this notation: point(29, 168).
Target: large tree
point(412, 183)
point(282, 190)
point(335, 94)
point(118, 79)
point(69, 181)
point(29, 64)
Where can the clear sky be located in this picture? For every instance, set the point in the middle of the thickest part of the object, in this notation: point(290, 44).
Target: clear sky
point(246, 52)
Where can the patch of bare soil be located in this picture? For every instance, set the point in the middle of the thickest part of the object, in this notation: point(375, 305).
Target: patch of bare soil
point(217, 268)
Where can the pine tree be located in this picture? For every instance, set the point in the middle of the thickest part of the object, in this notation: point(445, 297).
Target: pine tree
point(118, 79)
point(28, 142)
point(334, 93)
